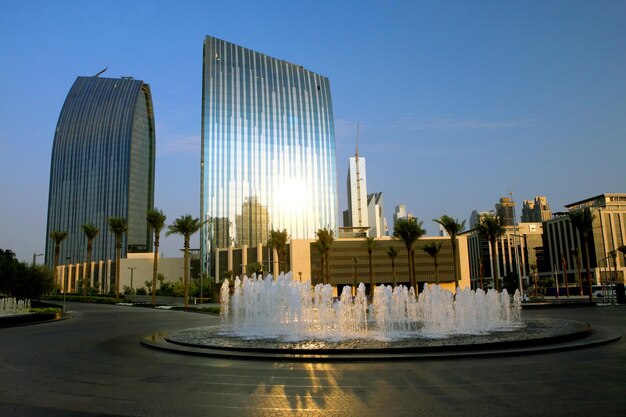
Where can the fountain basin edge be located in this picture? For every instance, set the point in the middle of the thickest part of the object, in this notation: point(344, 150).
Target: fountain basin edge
point(553, 335)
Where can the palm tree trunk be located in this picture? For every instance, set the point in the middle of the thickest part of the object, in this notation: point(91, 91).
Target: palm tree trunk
point(437, 272)
point(371, 275)
point(155, 268)
point(118, 255)
point(588, 267)
point(495, 267)
point(87, 274)
point(355, 278)
point(408, 259)
point(456, 278)
point(186, 273)
point(564, 263)
point(327, 256)
point(393, 272)
point(55, 277)
point(578, 273)
point(481, 273)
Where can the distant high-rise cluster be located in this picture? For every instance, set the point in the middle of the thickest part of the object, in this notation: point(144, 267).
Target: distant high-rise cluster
point(536, 210)
point(401, 213)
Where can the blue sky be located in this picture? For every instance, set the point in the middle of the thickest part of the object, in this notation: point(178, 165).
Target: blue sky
point(459, 102)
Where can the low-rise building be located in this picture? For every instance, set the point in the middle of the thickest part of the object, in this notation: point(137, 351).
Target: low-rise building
point(565, 254)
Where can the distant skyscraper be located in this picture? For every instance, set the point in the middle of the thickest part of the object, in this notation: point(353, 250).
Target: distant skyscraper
point(357, 192)
point(506, 210)
point(376, 215)
point(102, 166)
point(268, 149)
point(536, 210)
point(476, 215)
point(400, 213)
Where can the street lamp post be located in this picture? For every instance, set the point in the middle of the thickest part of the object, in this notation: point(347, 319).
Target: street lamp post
point(132, 269)
point(35, 255)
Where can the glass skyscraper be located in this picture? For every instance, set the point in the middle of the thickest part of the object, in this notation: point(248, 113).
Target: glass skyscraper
point(268, 149)
point(102, 166)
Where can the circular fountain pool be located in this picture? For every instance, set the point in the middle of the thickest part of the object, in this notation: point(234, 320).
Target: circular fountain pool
point(286, 319)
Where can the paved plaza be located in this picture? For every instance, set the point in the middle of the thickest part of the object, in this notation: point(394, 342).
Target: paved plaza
point(93, 365)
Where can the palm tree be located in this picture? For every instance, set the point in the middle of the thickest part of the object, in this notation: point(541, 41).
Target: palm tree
point(575, 253)
point(58, 237)
point(622, 249)
point(393, 253)
point(118, 226)
point(433, 249)
point(453, 228)
point(186, 226)
point(491, 228)
point(409, 231)
point(278, 240)
point(325, 239)
point(582, 220)
point(91, 232)
point(370, 244)
point(156, 221)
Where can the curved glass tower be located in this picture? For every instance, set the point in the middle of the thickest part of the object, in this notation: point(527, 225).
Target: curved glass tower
point(102, 166)
point(268, 149)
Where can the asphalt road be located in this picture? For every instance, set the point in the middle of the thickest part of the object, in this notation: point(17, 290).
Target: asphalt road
point(93, 365)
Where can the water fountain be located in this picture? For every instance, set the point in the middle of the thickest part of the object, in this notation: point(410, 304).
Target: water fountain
point(267, 318)
point(12, 306)
point(285, 319)
point(288, 310)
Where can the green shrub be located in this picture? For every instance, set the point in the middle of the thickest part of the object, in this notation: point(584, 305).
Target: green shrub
point(87, 299)
point(20, 280)
point(46, 310)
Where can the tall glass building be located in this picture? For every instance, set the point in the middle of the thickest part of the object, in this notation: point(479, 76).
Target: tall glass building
point(268, 149)
point(102, 166)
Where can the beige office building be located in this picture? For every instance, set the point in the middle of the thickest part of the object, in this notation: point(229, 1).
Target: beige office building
point(563, 242)
point(524, 245)
point(349, 259)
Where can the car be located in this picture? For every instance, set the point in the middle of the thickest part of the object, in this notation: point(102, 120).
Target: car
point(596, 291)
point(600, 291)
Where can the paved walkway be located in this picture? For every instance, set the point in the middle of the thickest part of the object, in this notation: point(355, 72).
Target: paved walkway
point(93, 364)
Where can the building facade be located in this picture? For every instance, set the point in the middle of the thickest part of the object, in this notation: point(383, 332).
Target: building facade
point(356, 184)
point(536, 210)
point(268, 149)
point(476, 215)
point(349, 262)
point(102, 166)
point(376, 215)
point(521, 248)
point(505, 209)
point(564, 248)
point(400, 213)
